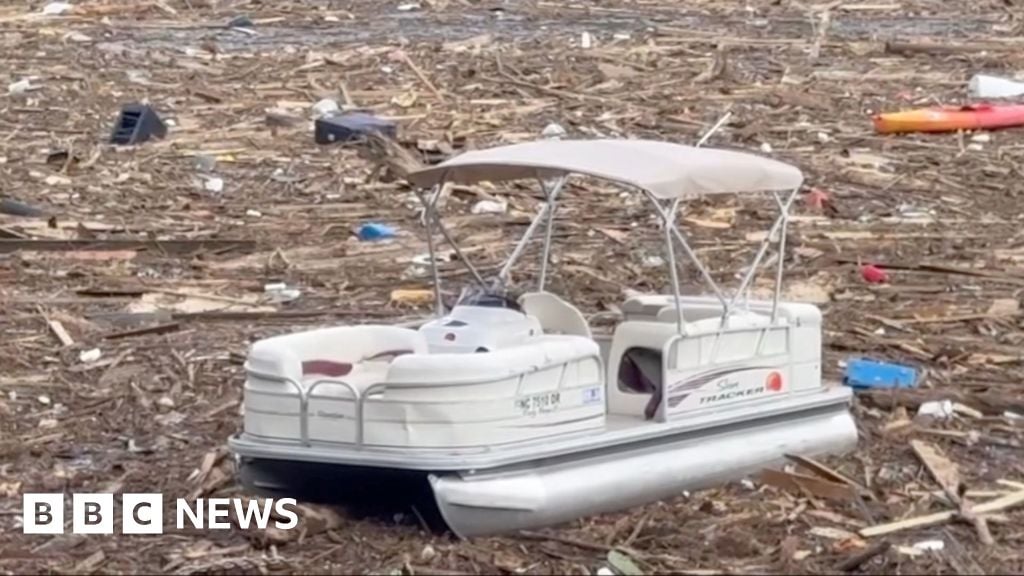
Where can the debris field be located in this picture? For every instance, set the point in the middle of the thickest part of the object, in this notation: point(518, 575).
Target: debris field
point(131, 292)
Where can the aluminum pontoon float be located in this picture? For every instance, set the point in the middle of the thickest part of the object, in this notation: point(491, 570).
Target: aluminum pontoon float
point(521, 413)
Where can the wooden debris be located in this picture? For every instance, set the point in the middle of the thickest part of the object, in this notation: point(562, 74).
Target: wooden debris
point(816, 486)
point(858, 559)
point(997, 505)
point(946, 474)
point(58, 330)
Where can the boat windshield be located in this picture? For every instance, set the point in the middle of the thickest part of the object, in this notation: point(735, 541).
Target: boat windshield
point(495, 296)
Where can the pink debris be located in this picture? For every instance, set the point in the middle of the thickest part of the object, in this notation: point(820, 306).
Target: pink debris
point(873, 274)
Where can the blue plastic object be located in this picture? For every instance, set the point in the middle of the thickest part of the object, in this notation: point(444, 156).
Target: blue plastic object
point(861, 373)
point(372, 231)
point(350, 126)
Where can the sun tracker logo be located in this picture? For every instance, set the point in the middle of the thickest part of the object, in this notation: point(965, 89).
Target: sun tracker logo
point(144, 513)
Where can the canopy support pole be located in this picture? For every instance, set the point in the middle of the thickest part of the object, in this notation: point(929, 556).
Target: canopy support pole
point(674, 207)
point(764, 248)
point(782, 253)
point(444, 232)
point(668, 222)
point(428, 223)
point(552, 195)
point(553, 202)
point(689, 251)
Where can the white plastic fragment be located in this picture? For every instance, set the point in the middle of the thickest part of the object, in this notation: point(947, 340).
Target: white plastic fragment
point(938, 409)
point(553, 131)
point(19, 87)
point(253, 213)
point(605, 571)
point(57, 8)
point(489, 207)
point(409, 7)
point(325, 107)
point(88, 356)
point(214, 184)
point(44, 400)
point(986, 86)
point(280, 292)
point(586, 41)
point(653, 261)
point(930, 545)
point(766, 148)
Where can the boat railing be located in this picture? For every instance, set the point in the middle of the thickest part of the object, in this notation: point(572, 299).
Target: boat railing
point(306, 394)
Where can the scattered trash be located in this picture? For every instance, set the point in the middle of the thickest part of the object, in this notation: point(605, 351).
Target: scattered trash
point(372, 231)
point(346, 127)
point(326, 107)
point(986, 86)
point(605, 571)
point(136, 124)
point(873, 274)
point(553, 131)
point(816, 198)
point(57, 8)
point(280, 292)
point(44, 400)
point(937, 409)
point(412, 296)
point(653, 261)
point(409, 7)
point(240, 22)
point(766, 148)
point(950, 118)
point(586, 41)
point(623, 564)
point(89, 356)
point(489, 207)
point(214, 184)
point(19, 87)
point(862, 373)
point(930, 545)
point(254, 213)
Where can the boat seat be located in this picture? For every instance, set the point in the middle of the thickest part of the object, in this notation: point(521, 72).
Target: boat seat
point(357, 355)
point(556, 316)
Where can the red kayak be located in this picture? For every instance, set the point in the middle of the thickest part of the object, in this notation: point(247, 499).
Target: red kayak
point(951, 118)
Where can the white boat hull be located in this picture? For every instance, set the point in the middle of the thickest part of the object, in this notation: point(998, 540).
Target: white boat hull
point(501, 501)
point(487, 497)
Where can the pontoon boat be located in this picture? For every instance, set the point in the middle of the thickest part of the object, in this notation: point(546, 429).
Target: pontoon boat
point(520, 411)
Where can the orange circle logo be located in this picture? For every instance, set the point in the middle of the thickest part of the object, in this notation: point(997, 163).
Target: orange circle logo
point(774, 382)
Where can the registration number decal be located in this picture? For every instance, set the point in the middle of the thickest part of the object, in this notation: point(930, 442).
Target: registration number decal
point(545, 402)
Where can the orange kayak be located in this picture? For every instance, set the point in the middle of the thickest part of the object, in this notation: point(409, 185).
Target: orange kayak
point(950, 118)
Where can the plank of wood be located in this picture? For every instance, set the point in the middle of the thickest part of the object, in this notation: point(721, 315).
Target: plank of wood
point(821, 470)
point(816, 486)
point(942, 469)
point(937, 518)
point(58, 330)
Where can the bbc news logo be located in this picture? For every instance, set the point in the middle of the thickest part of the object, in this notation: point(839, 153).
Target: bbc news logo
point(144, 513)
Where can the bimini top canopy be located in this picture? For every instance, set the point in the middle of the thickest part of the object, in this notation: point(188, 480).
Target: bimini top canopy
point(664, 169)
